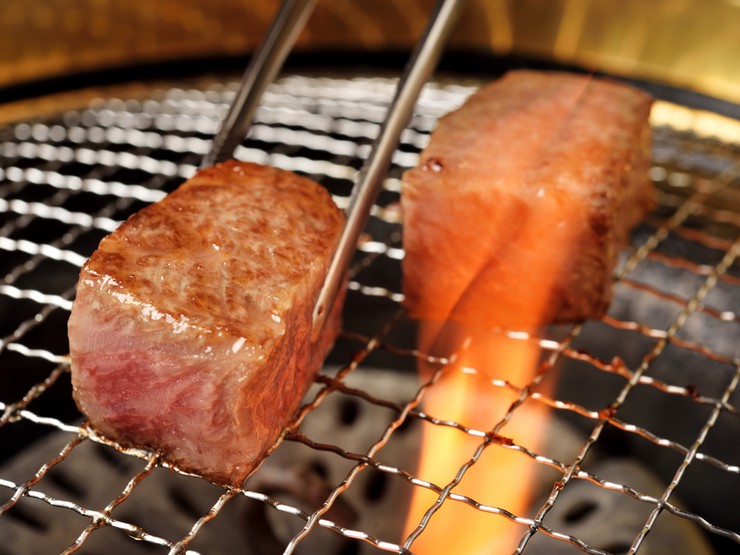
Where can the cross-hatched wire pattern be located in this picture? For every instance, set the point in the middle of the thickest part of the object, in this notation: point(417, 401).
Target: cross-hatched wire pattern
point(654, 381)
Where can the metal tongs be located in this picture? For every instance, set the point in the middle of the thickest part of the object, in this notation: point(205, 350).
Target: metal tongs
point(262, 70)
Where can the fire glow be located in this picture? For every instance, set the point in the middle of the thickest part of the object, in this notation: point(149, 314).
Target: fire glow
point(503, 366)
point(532, 241)
point(480, 389)
point(476, 392)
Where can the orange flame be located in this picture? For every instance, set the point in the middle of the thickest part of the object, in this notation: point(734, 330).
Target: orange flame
point(465, 394)
point(498, 478)
point(531, 238)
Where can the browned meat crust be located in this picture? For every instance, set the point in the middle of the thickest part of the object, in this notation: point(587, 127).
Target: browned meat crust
point(190, 333)
point(528, 190)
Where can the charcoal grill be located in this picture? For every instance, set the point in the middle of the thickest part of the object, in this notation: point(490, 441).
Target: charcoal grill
point(641, 453)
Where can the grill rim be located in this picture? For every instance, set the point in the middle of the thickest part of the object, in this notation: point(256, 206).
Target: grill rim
point(43, 97)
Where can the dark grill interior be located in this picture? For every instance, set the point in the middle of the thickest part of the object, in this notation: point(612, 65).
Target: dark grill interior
point(648, 394)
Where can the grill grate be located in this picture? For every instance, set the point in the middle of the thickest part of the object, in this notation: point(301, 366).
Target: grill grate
point(669, 399)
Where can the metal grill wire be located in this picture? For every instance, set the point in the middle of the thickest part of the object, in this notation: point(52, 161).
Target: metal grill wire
point(67, 181)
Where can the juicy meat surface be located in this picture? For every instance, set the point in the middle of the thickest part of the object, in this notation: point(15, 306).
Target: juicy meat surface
point(523, 197)
point(190, 333)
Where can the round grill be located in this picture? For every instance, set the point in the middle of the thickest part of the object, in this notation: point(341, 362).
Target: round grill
point(645, 408)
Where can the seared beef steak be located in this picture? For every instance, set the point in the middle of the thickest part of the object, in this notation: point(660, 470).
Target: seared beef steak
point(190, 334)
point(523, 197)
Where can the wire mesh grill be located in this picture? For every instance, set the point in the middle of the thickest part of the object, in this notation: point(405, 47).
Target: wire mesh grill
point(657, 377)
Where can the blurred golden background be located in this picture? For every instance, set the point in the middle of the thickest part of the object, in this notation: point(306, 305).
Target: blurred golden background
point(692, 44)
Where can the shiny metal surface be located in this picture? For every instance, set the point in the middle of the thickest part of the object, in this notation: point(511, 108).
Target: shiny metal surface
point(370, 179)
point(261, 71)
point(668, 349)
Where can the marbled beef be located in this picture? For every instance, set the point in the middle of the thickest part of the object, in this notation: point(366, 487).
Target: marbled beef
point(190, 333)
point(522, 199)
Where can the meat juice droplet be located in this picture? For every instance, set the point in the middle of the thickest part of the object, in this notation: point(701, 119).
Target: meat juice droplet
point(236, 347)
point(433, 164)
